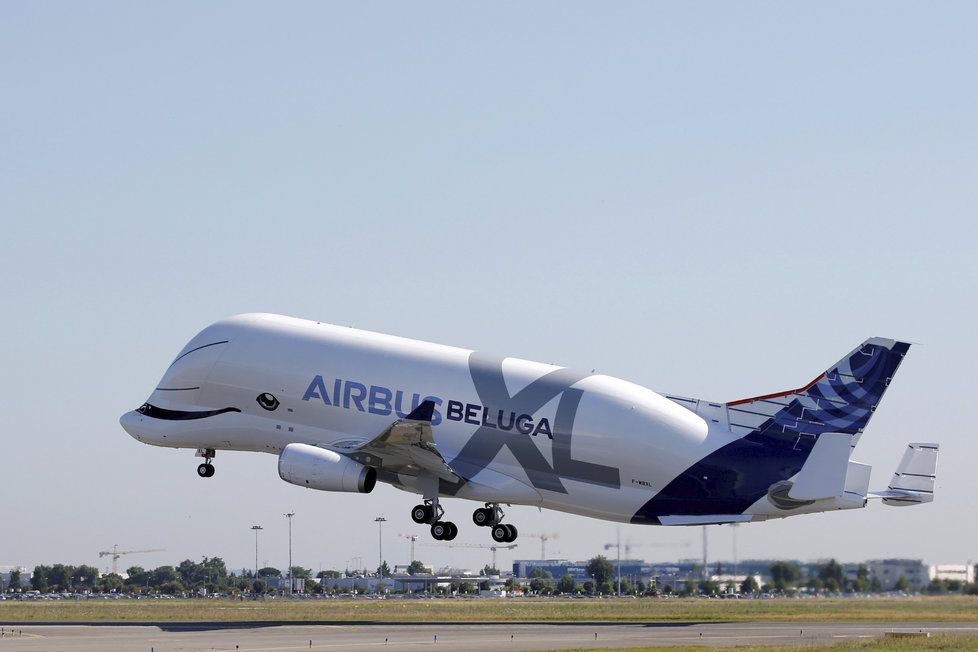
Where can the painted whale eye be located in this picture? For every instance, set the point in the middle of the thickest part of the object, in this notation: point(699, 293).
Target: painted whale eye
point(267, 401)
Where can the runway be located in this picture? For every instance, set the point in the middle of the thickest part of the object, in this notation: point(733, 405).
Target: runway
point(477, 637)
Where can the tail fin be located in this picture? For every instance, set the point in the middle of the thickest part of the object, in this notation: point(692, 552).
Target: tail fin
point(840, 400)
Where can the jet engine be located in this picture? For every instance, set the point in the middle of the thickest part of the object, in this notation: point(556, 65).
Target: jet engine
point(317, 468)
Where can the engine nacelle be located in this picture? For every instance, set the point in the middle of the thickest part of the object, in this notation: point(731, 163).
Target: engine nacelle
point(317, 468)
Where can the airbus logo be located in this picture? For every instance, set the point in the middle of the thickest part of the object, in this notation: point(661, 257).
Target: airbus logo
point(377, 399)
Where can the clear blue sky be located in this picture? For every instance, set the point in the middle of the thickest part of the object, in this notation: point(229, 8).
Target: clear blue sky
point(713, 199)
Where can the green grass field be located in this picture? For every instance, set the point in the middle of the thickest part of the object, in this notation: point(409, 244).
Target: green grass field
point(944, 608)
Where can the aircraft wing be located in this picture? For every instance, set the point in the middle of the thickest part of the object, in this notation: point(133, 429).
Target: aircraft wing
point(408, 446)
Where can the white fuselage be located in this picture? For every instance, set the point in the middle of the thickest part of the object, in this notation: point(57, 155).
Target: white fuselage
point(587, 444)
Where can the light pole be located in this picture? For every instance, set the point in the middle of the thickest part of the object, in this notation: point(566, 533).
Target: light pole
point(380, 520)
point(289, 516)
point(256, 528)
point(618, 546)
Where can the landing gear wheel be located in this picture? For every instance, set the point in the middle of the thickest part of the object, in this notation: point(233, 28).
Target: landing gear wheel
point(452, 531)
point(482, 517)
point(422, 513)
point(205, 470)
point(440, 530)
point(500, 533)
point(512, 533)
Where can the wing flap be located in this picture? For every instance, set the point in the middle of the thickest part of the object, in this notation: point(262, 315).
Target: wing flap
point(408, 445)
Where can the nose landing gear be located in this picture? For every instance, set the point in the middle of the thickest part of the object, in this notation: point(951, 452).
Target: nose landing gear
point(431, 512)
point(206, 469)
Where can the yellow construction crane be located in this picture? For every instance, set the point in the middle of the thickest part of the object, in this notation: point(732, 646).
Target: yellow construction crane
point(115, 553)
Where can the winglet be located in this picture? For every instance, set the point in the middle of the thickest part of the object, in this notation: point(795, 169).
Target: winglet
point(424, 412)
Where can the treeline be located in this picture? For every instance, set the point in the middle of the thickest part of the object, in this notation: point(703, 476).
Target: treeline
point(786, 577)
point(210, 574)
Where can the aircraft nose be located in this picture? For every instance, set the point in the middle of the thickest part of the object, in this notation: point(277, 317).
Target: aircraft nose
point(129, 422)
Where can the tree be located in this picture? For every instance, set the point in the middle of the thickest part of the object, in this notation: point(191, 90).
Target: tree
point(489, 571)
point(874, 585)
point(111, 583)
point(861, 583)
point(537, 572)
point(172, 588)
point(301, 573)
point(902, 584)
point(269, 571)
point(566, 584)
point(84, 577)
point(329, 574)
point(542, 585)
point(784, 574)
point(749, 585)
point(588, 587)
point(832, 575)
point(512, 584)
point(14, 580)
point(39, 579)
point(163, 575)
point(937, 585)
point(384, 570)
point(59, 577)
point(709, 587)
point(417, 568)
point(600, 569)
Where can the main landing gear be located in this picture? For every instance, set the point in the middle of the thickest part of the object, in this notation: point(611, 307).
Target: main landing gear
point(431, 512)
point(491, 516)
point(206, 469)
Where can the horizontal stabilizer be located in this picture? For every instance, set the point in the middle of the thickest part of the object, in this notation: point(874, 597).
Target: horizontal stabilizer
point(824, 473)
point(913, 482)
point(704, 519)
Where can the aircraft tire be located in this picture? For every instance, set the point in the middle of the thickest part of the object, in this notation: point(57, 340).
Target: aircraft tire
point(513, 533)
point(205, 470)
point(452, 531)
point(421, 514)
point(482, 517)
point(439, 531)
point(500, 533)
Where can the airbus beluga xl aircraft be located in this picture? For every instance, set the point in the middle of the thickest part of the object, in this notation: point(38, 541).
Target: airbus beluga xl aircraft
point(344, 408)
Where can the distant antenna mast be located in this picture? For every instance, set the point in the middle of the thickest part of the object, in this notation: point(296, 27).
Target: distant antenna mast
point(706, 573)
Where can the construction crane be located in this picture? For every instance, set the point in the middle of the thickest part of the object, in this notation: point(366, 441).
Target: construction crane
point(628, 545)
point(493, 547)
point(115, 553)
point(412, 538)
point(543, 541)
point(628, 549)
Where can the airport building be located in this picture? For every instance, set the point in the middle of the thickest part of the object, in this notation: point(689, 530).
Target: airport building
point(964, 573)
point(889, 572)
